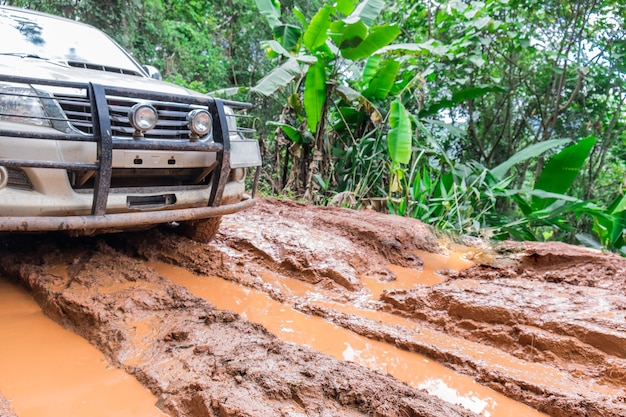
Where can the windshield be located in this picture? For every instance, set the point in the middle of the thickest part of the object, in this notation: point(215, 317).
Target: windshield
point(29, 34)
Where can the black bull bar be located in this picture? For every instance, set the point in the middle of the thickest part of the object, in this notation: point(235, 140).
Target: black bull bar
point(106, 143)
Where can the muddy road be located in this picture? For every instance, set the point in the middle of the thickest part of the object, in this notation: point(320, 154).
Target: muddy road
point(306, 311)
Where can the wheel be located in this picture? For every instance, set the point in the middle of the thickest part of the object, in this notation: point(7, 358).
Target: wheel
point(202, 231)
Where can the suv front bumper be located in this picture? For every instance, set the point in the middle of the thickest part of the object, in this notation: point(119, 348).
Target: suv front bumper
point(117, 220)
point(52, 205)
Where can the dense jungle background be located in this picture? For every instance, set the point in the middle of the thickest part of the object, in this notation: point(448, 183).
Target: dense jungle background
point(498, 118)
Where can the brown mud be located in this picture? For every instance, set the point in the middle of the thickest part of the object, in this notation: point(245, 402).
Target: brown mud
point(541, 325)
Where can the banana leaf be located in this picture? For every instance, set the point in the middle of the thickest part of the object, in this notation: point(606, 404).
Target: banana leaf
point(561, 171)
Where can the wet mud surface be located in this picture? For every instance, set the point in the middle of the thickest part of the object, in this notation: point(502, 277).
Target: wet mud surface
point(542, 325)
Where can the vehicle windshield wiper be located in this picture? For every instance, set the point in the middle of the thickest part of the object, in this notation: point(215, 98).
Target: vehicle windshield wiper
point(23, 55)
point(33, 56)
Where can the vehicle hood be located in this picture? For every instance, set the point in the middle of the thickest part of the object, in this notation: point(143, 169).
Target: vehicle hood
point(50, 70)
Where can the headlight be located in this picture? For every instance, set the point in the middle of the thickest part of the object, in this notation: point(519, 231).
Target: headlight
point(21, 104)
point(142, 117)
point(200, 123)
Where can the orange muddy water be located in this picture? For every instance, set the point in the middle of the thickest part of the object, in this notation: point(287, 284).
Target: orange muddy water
point(407, 278)
point(315, 332)
point(47, 371)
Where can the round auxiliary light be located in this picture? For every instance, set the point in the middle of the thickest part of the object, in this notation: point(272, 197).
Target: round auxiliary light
point(200, 123)
point(142, 117)
point(238, 174)
point(4, 177)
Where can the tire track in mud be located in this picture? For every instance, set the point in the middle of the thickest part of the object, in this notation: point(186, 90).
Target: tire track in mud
point(338, 341)
point(197, 360)
point(201, 361)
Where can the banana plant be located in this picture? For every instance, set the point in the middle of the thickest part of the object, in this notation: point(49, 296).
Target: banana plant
point(549, 204)
point(338, 34)
point(561, 170)
point(328, 69)
point(610, 226)
point(399, 143)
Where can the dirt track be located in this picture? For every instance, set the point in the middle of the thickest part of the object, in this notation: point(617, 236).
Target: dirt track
point(543, 324)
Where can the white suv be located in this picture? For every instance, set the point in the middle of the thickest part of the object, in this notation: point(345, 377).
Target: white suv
point(91, 143)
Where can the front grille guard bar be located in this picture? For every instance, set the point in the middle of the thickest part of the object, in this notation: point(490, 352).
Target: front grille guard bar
point(106, 143)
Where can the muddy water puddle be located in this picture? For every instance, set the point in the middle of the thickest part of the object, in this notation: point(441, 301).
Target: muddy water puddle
point(296, 327)
point(407, 278)
point(47, 371)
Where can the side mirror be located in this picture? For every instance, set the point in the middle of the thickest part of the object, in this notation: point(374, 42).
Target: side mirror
point(152, 72)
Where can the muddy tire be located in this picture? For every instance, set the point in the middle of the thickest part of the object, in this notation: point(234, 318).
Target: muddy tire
point(202, 231)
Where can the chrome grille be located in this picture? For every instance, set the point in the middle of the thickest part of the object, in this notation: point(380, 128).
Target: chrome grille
point(172, 123)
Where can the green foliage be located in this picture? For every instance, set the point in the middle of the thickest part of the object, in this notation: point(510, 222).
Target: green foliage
point(550, 205)
point(560, 172)
point(278, 78)
point(315, 94)
point(610, 226)
point(351, 108)
point(457, 197)
point(457, 98)
point(400, 135)
point(357, 47)
point(270, 9)
point(317, 31)
point(525, 154)
point(319, 99)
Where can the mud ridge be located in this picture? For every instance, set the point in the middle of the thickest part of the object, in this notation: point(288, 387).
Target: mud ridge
point(539, 396)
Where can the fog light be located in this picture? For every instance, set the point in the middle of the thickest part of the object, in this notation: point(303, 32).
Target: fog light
point(4, 177)
point(142, 117)
point(200, 123)
point(238, 174)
